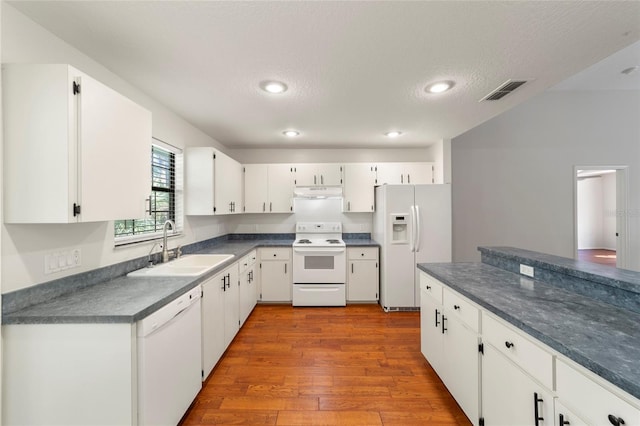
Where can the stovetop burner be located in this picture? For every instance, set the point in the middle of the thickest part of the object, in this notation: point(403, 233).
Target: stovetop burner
point(333, 241)
point(304, 241)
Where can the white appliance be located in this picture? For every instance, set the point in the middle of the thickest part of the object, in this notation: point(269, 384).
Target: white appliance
point(412, 223)
point(319, 265)
point(169, 360)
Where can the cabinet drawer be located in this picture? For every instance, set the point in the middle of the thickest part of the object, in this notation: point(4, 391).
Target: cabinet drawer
point(363, 253)
point(431, 286)
point(252, 257)
point(524, 352)
point(244, 263)
point(461, 308)
point(590, 400)
point(271, 253)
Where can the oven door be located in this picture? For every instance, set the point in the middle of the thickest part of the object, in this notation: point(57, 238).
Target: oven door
point(319, 265)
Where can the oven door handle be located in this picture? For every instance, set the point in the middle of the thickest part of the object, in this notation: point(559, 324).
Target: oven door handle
point(317, 252)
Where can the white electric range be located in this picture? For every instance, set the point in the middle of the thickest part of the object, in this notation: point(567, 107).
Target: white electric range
point(319, 265)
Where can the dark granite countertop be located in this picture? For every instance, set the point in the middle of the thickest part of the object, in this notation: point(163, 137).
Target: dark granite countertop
point(129, 299)
point(602, 274)
point(601, 337)
point(361, 242)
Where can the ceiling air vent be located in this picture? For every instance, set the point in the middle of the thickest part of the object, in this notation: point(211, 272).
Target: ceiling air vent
point(503, 90)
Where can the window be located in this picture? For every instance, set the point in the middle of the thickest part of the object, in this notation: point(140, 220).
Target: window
point(163, 202)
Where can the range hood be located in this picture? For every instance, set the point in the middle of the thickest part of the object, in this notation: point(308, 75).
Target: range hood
point(317, 192)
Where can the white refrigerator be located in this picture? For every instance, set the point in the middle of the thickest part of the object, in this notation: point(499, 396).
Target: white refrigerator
point(412, 223)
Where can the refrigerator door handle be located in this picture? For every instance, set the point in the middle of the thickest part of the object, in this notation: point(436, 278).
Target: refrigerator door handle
point(418, 232)
point(413, 229)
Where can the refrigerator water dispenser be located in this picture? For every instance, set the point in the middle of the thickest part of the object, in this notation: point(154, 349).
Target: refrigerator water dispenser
point(399, 228)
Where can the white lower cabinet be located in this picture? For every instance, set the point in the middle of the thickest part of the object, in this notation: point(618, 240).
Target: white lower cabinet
point(593, 399)
point(510, 396)
point(220, 315)
point(69, 374)
point(275, 274)
point(231, 304)
point(517, 380)
point(431, 321)
point(362, 275)
point(449, 340)
point(461, 356)
point(248, 285)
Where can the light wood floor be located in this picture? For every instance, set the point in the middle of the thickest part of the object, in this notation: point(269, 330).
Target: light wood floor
point(604, 257)
point(325, 366)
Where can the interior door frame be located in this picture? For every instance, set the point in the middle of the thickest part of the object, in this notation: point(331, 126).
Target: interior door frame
point(622, 224)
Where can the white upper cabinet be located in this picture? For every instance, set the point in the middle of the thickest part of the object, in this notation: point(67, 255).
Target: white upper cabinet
point(318, 174)
point(213, 182)
point(359, 184)
point(74, 149)
point(404, 173)
point(228, 184)
point(268, 188)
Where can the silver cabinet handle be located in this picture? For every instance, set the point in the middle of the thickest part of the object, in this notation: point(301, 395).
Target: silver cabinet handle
point(315, 180)
point(349, 206)
point(401, 178)
point(264, 206)
point(285, 268)
point(408, 178)
point(321, 180)
point(271, 206)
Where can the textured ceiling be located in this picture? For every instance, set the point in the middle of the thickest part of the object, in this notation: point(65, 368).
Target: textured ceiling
point(355, 70)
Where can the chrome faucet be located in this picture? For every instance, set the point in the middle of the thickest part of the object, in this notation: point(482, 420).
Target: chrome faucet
point(165, 252)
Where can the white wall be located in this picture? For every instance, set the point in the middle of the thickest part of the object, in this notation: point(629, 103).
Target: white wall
point(24, 246)
point(513, 175)
point(590, 213)
point(257, 156)
point(609, 211)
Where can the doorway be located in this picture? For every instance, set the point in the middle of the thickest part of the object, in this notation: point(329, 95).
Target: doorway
point(600, 215)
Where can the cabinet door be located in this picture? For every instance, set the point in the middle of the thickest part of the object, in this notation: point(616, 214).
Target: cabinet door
point(359, 184)
point(564, 416)
point(418, 173)
point(91, 148)
point(362, 281)
point(199, 181)
point(275, 281)
point(248, 293)
point(510, 396)
point(280, 188)
point(404, 173)
point(461, 373)
point(213, 326)
point(115, 154)
point(228, 185)
point(256, 188)
point(305, 175)
point(329, 174)
point(390, 173)
point(231, 304)
point(431, 337)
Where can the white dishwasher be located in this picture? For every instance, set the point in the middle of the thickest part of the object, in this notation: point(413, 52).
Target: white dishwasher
point(169, 361)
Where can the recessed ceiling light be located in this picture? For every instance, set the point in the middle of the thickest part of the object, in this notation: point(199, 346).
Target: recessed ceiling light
point(393, 134)
point(273, 86)
point(291, 133)
point(439, 87)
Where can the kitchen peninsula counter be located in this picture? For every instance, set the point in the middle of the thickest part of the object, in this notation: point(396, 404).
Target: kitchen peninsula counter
point(604, 337)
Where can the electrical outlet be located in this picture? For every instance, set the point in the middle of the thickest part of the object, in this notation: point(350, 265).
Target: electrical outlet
point(526, 270)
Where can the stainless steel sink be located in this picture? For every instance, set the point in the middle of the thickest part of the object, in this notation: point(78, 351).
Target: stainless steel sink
point(192, 265)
